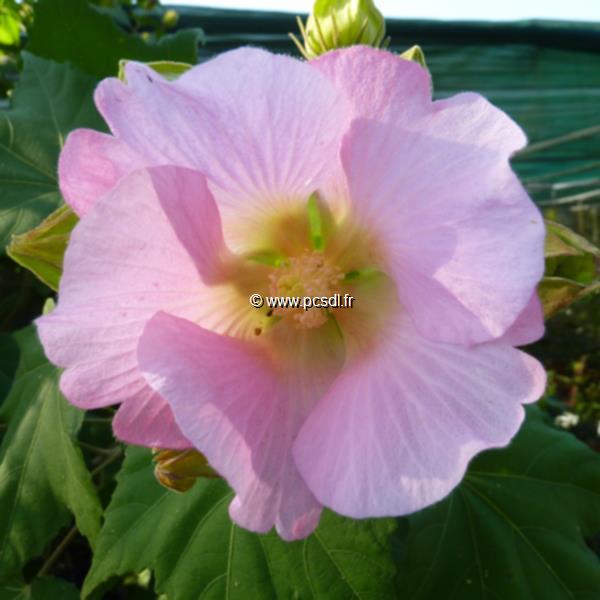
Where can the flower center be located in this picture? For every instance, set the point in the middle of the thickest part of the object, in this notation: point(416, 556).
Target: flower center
point(305, 276)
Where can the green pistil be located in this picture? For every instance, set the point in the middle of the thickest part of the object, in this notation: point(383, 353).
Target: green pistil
point(361, 274)
point(266, 257)
point(315, 223)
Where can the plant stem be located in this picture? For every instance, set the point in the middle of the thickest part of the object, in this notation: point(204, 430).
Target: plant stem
point(58, 551)
point(97, 449)
point(109, 460)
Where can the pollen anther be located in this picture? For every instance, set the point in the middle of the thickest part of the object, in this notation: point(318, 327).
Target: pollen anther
point(307, 275)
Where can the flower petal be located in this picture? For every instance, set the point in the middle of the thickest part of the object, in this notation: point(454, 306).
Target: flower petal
point(397, 429)
point(263, 128)
point(146, 420)
point(379, 84)
point(456, 229)
point(529, 326)
point(90, 165)
point(229, 400)
point(147, 246)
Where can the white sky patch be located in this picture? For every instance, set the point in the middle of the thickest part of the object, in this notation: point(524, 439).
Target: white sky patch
point(506, 10)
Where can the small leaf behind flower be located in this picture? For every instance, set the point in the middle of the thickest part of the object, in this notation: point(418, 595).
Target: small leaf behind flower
point(557, 293)
point(169, 69)
point(416, 54)
point(42, 249)
point(572, 268)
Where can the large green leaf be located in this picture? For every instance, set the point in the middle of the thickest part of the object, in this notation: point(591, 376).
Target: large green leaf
point(42, 473)
point(515, 527)
point(50, 100)
point(42, 588)
point(9, 358)
point(195, 551)
point(73, 30)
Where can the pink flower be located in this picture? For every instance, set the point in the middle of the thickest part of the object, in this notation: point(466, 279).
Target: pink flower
point(199, 199)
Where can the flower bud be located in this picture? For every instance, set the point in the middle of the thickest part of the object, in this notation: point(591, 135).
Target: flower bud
point(178, 470)
point(338, 24)
point(170, 19)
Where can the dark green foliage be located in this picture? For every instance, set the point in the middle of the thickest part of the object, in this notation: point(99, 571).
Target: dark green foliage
point(50, 100)
point(72, 30)
point(194, 549)
point(518, 523)
point(43, 477)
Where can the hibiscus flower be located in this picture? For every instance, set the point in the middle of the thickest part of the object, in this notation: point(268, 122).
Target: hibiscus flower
point(255, 173)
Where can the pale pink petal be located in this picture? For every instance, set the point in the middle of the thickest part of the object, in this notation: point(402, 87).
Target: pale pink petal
point(470, 119)
point(237, 409)
point(452, 224)
point(90, 165)
point(529, 326)
point(147, 420)
point(383, 86)
point(378, 84)
point(397, 429)
point(263, 128)
point(147, 246)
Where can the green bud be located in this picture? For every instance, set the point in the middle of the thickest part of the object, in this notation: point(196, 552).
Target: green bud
point(42, 249)
point(170, 19)
point(339, 24)
point(572, 269)
point(178, 470)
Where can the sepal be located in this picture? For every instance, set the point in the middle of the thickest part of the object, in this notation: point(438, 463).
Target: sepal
point(41, 250)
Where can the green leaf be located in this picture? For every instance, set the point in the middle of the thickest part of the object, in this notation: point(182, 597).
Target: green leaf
point(562, 241)
point(197, 551)
point(42, 472)
point(41, 588)
point(557, 293)
point(416, 54)
point(49, 101)
point(170, 70)
point(515, 527)
point(9, 360)
point(10, 34)
point(72, 30)
point(569, 255)
point(572, 268)
point(42, 249)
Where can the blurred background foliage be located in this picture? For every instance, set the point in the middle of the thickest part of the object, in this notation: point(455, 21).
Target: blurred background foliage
point(545, 75)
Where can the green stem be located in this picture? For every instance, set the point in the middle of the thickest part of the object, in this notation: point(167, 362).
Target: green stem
point(71, 534)
point(97, 449)
point(108, 461)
